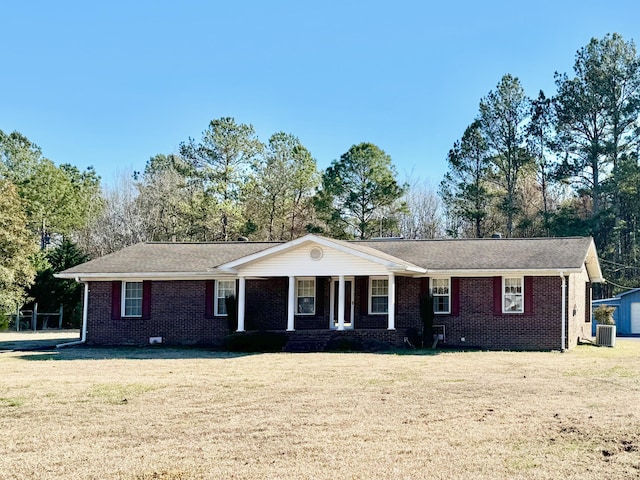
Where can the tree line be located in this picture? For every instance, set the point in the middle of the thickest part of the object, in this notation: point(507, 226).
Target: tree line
point(228, 184)
point(559, 165)
point(224, 186)
point(39, 200)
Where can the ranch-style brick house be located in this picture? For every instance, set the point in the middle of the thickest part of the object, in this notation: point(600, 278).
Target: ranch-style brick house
point(516, 294)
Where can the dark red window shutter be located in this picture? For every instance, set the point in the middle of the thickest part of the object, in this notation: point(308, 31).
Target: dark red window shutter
point(209, 292)
point(497, 295)
point(528, 295)
point(424, 286)
point(116, 295)
point(455, 296)
point(146, 300)
point(320, 284)
point(363, 286)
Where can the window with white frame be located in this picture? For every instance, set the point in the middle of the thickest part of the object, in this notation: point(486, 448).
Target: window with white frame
point(224, 289)
point(131, 299)
point(379, 295)
point(306, 296)
point(513, 294)
point(441, 293)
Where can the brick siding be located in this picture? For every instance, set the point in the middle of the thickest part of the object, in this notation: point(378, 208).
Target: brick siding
point(178, 314)
point(266, 304)
point(477, 325)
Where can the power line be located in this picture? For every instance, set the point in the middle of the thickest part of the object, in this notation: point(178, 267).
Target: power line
point(620, 286)
point(618, 264)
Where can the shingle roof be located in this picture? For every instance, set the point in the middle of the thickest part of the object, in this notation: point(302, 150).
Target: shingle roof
point(434, 255)
point(489, 253)
point(169, 257)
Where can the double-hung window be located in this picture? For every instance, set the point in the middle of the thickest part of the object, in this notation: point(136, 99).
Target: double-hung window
point(131, 299)
point(441, 293)
point(379, 296)
point(306, 296)
point(513, 295)
point(224, 289)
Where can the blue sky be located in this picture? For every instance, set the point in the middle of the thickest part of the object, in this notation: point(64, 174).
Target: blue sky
point(111, 84)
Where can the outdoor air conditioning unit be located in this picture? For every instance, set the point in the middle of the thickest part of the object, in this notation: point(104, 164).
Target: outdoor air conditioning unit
point(606, 335)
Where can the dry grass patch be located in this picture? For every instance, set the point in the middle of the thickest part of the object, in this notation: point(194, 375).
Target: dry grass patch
point(183, 414)
point(116, 393)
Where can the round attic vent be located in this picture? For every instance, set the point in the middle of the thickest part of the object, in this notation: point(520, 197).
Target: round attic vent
point(315, 253)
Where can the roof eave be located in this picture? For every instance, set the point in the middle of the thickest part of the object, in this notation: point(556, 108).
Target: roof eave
point(405, 269)
point(491, 272)
point(592, 264)
point(141, 275)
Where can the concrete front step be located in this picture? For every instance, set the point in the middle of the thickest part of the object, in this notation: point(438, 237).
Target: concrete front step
point(321, 340)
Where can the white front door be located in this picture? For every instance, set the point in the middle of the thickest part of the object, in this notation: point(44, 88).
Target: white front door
point(349, 295)
point(635, 317)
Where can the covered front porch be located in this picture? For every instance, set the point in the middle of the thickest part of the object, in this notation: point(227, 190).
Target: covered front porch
point(333, 303)
point(316, 283)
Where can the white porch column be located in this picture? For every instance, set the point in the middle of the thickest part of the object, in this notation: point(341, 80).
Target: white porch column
point(292, 304)
point(241, 303)
point(392, 302)
point(341, 302)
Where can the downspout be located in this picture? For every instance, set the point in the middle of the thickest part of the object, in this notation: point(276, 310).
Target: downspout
point(85, 310)
point(564, 311)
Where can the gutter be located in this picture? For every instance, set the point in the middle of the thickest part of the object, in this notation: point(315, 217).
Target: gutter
point(564, 312)
point(492, 272)
point(144, 275)
point(85, 310)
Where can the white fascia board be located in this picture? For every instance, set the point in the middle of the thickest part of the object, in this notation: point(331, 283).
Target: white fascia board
point(325, 242)
point(501, 272)
point(414, 271)
point(592, 264)
point(145, 276)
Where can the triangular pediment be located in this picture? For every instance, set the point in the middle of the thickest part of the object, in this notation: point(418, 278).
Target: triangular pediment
point(318, 256)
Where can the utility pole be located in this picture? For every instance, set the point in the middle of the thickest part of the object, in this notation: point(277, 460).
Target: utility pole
point(45, 238)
